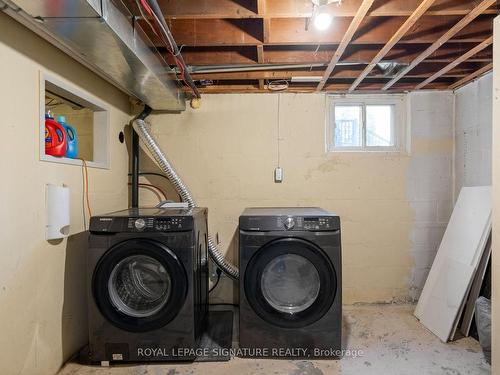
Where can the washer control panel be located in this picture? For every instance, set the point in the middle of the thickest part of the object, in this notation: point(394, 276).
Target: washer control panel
point(169, 223)
point(146, 220)
point(143, 224)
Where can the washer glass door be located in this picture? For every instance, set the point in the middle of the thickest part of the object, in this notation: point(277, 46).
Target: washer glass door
point(290, 282)
point(139, 285)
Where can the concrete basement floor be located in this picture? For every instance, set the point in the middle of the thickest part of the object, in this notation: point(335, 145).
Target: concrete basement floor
point(391, 339)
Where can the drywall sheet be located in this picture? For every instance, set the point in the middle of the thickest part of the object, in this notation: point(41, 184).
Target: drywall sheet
point(456, 261)
point(470, 306)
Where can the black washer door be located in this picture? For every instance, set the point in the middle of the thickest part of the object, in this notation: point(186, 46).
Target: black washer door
point(290, 283)
point(139, 285)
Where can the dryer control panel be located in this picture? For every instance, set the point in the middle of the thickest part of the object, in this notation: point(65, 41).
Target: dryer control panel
point(259, 220)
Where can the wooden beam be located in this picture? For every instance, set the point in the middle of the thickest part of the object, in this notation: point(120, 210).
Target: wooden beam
point(292, 31)
point(288, 74)
point(266, 25)
point(472, 76)
point(330, 87)
point(485, 4)
point(196, 9)
point(260, 60)
point(458, 61)
point(353, 27)
point(360, 53)
point(261, 7)
point(419, 12)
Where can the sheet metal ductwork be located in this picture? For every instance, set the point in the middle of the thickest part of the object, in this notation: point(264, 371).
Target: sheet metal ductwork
point(141, 127)
point(104, 36)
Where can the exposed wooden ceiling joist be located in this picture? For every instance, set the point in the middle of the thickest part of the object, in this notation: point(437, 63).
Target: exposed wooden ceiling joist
point(206, 9)
point(292, 31)
point(485, 69)
point(405, 27)
point(455, 63)
point(252, 32)
point(346, 39)
point(485, 4)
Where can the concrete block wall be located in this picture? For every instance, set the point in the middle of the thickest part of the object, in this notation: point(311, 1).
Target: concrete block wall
point(473, 133)
point(394, 206)
point(430, 179)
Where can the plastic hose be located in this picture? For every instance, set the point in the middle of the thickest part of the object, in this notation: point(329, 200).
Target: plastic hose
point(142, 128)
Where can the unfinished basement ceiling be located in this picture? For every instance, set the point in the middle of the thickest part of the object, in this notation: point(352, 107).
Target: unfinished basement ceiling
point(253, 32)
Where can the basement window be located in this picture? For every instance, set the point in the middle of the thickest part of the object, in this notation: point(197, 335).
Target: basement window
point(84, 118)
point(362, 123)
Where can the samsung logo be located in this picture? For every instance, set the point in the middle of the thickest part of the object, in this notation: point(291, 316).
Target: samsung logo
point(105, 219)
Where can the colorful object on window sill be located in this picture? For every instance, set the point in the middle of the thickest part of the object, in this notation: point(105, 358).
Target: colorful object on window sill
point(71, 138)
point(55, 137)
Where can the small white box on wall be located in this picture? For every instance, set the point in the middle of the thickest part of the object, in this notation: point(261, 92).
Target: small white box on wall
point(57, 204)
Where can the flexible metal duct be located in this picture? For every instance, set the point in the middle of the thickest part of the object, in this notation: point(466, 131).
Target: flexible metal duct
point(141, 127)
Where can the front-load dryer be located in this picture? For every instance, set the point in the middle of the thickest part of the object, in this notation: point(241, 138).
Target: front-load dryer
point(290, 283)
point(147, 284)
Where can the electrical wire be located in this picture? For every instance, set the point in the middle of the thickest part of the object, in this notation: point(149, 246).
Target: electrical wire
point(279, 129)
point(152, 174)
point(225, 304)
point(219, 272)
point(158, 175)
point(83, 199)
point(85, 178)
point(167, 41)
point(145, 5)
point(155, 188)
point(278, 85)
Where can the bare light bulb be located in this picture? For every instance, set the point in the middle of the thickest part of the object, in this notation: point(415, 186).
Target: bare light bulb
point(322, 21)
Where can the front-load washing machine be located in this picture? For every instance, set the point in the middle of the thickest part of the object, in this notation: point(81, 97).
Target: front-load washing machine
point(147, 284)
point(290, 283)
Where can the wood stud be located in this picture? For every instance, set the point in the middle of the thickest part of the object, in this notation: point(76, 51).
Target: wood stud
point(222, 32)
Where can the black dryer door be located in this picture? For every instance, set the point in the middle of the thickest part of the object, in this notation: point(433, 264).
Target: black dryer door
point(290, 283)
point(139, 285)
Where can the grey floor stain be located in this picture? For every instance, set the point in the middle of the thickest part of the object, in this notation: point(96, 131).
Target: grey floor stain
point(306, 368)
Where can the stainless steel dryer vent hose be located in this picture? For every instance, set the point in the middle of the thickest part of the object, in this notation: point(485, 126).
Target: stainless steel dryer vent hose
point(142, 128)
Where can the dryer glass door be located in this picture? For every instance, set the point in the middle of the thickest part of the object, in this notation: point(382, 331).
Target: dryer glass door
point(139, 285)
point(290, 282)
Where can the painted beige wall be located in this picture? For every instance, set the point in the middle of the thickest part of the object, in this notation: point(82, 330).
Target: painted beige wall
point(42, 290)
point(391, 211)
point(495, 269)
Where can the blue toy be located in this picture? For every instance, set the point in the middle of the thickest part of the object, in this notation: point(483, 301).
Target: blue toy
point(72, 143)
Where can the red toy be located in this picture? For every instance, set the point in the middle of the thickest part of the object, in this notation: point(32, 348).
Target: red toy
point(55, 137)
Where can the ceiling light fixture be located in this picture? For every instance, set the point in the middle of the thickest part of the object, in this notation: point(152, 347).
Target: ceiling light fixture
point(321, 18)
point(322, 21)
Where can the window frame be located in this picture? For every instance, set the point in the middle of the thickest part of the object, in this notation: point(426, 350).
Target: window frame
point(398, 122)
